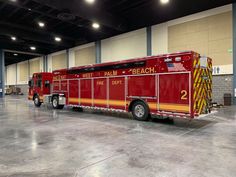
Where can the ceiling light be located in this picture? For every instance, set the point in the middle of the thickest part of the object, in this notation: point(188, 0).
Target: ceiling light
point(13, 38)
point(58, 39)
point(15, 54)
point(90, 1)
point(95, 25)
point(13, 0)
point(165, 1)
point(33, 48)
point(41, 24)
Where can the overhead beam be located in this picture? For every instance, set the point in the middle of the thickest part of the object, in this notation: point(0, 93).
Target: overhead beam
point(12, 60)
point(21, 52)
point(80, 9)
point(12, 46)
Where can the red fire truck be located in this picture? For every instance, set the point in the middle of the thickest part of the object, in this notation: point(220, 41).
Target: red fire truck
point(172, 85)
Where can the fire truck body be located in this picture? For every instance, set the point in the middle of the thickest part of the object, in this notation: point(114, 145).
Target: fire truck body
point(174, 85)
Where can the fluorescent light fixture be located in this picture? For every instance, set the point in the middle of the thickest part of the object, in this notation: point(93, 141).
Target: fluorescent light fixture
point(165, 1)
point(90, 1)
point(95, 25)
point(58, 39)
point(33, 48)
point(13, 38)
point(41, 24)
point(15, 54)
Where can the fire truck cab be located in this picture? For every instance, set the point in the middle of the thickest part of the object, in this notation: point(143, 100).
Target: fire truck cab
point(39, 86)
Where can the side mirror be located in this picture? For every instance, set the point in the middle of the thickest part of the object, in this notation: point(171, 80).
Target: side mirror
point(30, 83)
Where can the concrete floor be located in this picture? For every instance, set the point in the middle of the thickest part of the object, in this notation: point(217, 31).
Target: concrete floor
point(40, 142)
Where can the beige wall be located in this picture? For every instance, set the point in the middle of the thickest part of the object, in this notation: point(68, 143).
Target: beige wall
point(11, 74)
point(210, 36)
point(34, 66)
point(85, 56)
point(125, 46)
point(22, 73)
point(59, 61)
point(160, 39)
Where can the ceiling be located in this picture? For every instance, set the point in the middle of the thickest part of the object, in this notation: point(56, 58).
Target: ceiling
point(71, 21)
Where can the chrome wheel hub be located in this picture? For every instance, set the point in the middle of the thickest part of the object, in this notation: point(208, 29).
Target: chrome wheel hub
point(54, 102)
point(139, 111)
point(36, 100)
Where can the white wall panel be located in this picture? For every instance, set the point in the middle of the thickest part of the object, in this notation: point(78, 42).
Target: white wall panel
point(49, 63)
point(34, 66)
point(41, 64)
point(85, 56)
point(125, 46)
point(11, 75)
point(61, 62)
point(71, 58)
point(160, 39)
point(22, 73)
point(80, 56)
point(200, 15)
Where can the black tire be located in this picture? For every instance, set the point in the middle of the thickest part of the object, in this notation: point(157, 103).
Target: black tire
point(55, 103)
point(37, 102)
point(140, 111)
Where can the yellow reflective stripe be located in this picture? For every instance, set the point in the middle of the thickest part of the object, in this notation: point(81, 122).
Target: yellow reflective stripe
point(97, 101)
point(174, 107)
point(152, 105)
point(116, 102)
point(74, 100)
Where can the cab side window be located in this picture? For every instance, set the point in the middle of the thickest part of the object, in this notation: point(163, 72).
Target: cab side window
point(39, 83)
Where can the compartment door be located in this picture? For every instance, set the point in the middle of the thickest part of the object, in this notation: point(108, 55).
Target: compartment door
point(174, 93)
point(86, 92)
point(117, 93)
point(144, 87)
point(100, 92)
point(73, 92)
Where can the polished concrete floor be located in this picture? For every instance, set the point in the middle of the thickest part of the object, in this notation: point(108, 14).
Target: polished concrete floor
point(41, 142)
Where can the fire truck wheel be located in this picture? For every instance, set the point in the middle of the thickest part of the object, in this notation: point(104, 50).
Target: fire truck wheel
point(37, 102)
point(140, 111)
point(55, 103)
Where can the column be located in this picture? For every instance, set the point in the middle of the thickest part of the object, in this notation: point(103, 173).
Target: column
point(45, 63)
point(234, 53)
point(149, 40)
point(67, 58)
point(2, 73)
point(98, 51)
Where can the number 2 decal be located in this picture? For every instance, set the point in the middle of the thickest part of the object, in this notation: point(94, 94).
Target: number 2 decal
point(184, 94)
